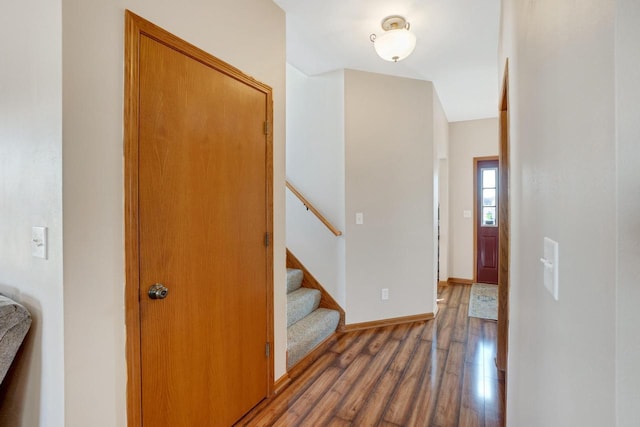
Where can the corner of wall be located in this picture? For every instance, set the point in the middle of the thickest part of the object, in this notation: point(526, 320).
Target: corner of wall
point(398, 224)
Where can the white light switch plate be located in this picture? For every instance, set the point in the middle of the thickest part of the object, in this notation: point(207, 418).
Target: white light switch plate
point(39, 242)
point(359, 218)
point(466, 214)
point(550, 262)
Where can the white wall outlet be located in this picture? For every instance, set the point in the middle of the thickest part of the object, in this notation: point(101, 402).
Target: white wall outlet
point(359, 218)
point(39, 242)
point(466, 214)
point(550, 262)
point(384, 294)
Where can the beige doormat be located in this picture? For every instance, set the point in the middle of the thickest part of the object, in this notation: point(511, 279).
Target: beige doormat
point(483, 301)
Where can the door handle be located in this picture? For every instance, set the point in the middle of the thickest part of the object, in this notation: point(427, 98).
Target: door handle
point(158, 291)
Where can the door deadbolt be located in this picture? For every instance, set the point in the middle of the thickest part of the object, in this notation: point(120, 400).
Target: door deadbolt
point(158, 291)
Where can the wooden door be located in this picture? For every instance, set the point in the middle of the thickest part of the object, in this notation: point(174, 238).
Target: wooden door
point(503, 276)
point(487, 233)
point(202, 177)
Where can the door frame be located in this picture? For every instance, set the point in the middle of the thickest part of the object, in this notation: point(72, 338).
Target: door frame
point(135, 27)
point(476, 212)
point(504, 247)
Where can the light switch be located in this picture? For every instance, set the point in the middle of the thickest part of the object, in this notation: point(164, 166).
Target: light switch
point(384, 294)
point(466, 214)
point(550, 263)
point(39, 242)
point(359, 218)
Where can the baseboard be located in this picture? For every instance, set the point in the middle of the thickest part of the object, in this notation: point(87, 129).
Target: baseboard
point(281, 383)
point(312, 356)
point(443, 283)
point(387, 322)
point(454, 280)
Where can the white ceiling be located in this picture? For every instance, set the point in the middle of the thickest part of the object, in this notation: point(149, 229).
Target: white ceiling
point(457, 45)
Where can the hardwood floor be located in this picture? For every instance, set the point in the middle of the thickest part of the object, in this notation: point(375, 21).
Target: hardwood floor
point(438, 372)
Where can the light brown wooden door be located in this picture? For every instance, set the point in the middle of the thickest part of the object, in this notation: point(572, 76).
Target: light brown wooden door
point(504, 221)
point(203, 211)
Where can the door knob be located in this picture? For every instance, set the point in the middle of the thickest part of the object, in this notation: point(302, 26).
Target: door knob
point(158, 291)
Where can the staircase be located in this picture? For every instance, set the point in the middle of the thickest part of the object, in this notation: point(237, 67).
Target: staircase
point(308, 325)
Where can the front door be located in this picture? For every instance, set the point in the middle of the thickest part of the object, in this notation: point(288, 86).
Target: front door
point(203, 208)
point(487, 221)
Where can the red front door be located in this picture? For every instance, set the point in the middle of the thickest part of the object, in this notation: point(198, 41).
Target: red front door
point(487, 221)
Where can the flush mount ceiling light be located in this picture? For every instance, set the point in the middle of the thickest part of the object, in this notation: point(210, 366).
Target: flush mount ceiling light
point(397, 42)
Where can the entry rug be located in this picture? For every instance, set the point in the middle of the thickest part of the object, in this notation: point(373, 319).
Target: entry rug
point(483, 301)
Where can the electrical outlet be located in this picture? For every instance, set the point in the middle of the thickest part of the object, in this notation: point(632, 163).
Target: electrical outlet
point(384, 294)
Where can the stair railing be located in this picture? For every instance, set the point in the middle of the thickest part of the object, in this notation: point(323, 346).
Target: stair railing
point(315, 211)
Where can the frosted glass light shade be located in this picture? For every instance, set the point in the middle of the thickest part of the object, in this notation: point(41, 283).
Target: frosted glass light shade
point(395, 45)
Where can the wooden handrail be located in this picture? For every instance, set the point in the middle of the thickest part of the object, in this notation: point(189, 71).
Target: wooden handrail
point(315, 211)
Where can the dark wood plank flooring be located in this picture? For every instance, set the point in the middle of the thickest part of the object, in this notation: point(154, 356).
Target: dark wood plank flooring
point(435, 373)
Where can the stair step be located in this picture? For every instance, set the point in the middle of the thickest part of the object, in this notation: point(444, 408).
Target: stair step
point(294, 279)
point(304, 335)
point(301, 303)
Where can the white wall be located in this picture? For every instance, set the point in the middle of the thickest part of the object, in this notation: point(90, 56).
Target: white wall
point(562, 353)
point(248, 34)
point(443, 199)
point(627, 62)
point(390, 179)
point(393, 179)
point(315, 166)
point(441, 142)
point(31, 195)
point(467, 139)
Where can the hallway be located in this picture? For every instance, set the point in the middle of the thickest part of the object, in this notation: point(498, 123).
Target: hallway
point(435, 373)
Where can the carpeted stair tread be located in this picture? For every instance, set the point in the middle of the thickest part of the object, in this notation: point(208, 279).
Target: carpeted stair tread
point(294, 279)
point(301, 303)
point(304, 335)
